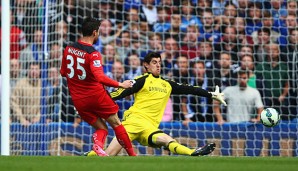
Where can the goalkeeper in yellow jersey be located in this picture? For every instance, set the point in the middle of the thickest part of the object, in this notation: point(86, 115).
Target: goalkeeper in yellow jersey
point(142, 119)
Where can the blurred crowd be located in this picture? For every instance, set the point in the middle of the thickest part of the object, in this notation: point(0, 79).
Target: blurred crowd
point(202, 42)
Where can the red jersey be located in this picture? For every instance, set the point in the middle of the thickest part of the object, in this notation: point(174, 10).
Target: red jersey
point(82, 66)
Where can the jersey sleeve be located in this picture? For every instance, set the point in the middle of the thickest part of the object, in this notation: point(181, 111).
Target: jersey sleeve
point(97, 70)
point(121, 93)
point(178, 88)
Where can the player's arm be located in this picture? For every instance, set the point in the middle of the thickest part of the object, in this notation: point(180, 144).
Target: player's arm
point(63, 65)
point(178, 88)
point(97, 70)
point(189, 89)
point(121, 93)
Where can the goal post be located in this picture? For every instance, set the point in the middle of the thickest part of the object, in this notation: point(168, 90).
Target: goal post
point(5, 70)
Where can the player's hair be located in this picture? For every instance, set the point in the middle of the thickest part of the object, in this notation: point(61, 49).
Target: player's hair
point(89, 25)
point(151, 55)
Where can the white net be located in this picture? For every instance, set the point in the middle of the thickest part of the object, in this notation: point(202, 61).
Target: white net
point(202, 43)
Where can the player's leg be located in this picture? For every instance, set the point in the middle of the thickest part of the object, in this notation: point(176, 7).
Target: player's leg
point(121, 134)
point(93, 112)
point(107, 109)
point(114, 148)
point(85, 108)
point(99, 136)
point(162, 139)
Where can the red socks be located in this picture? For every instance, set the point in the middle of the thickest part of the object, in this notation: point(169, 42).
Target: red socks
point(99, 137)
point(124, 140)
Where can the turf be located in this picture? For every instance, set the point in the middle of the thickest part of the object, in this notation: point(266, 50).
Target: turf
point(146, 163)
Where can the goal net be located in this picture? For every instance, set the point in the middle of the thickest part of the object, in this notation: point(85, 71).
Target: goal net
point(202, 43)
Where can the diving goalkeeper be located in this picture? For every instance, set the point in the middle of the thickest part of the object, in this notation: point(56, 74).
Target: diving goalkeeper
point(151, 93)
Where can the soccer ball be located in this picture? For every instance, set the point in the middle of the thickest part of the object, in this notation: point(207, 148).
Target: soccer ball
point(270, 117)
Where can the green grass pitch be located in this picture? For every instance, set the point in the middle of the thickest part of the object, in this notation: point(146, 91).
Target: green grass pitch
point(147, 163)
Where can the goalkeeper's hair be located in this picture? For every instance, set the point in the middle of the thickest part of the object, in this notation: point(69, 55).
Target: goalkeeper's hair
point(151, 55)
point(89, 25)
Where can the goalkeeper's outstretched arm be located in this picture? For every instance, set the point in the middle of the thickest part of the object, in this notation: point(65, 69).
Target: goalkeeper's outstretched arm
point(178, 88)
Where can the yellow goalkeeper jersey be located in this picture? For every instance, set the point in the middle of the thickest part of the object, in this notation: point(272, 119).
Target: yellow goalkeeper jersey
point(151, 95)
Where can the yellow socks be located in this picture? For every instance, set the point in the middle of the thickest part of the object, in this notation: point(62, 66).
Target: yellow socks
point(179, 149)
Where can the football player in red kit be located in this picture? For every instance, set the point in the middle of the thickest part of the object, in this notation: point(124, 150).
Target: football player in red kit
point(82, 66)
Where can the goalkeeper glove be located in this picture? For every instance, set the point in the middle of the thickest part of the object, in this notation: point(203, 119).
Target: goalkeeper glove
point(218, 96)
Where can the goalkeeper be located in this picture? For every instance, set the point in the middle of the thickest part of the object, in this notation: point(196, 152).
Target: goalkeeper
point(151, 93)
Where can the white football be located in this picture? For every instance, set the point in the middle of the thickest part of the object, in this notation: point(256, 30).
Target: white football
point(270, 117)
